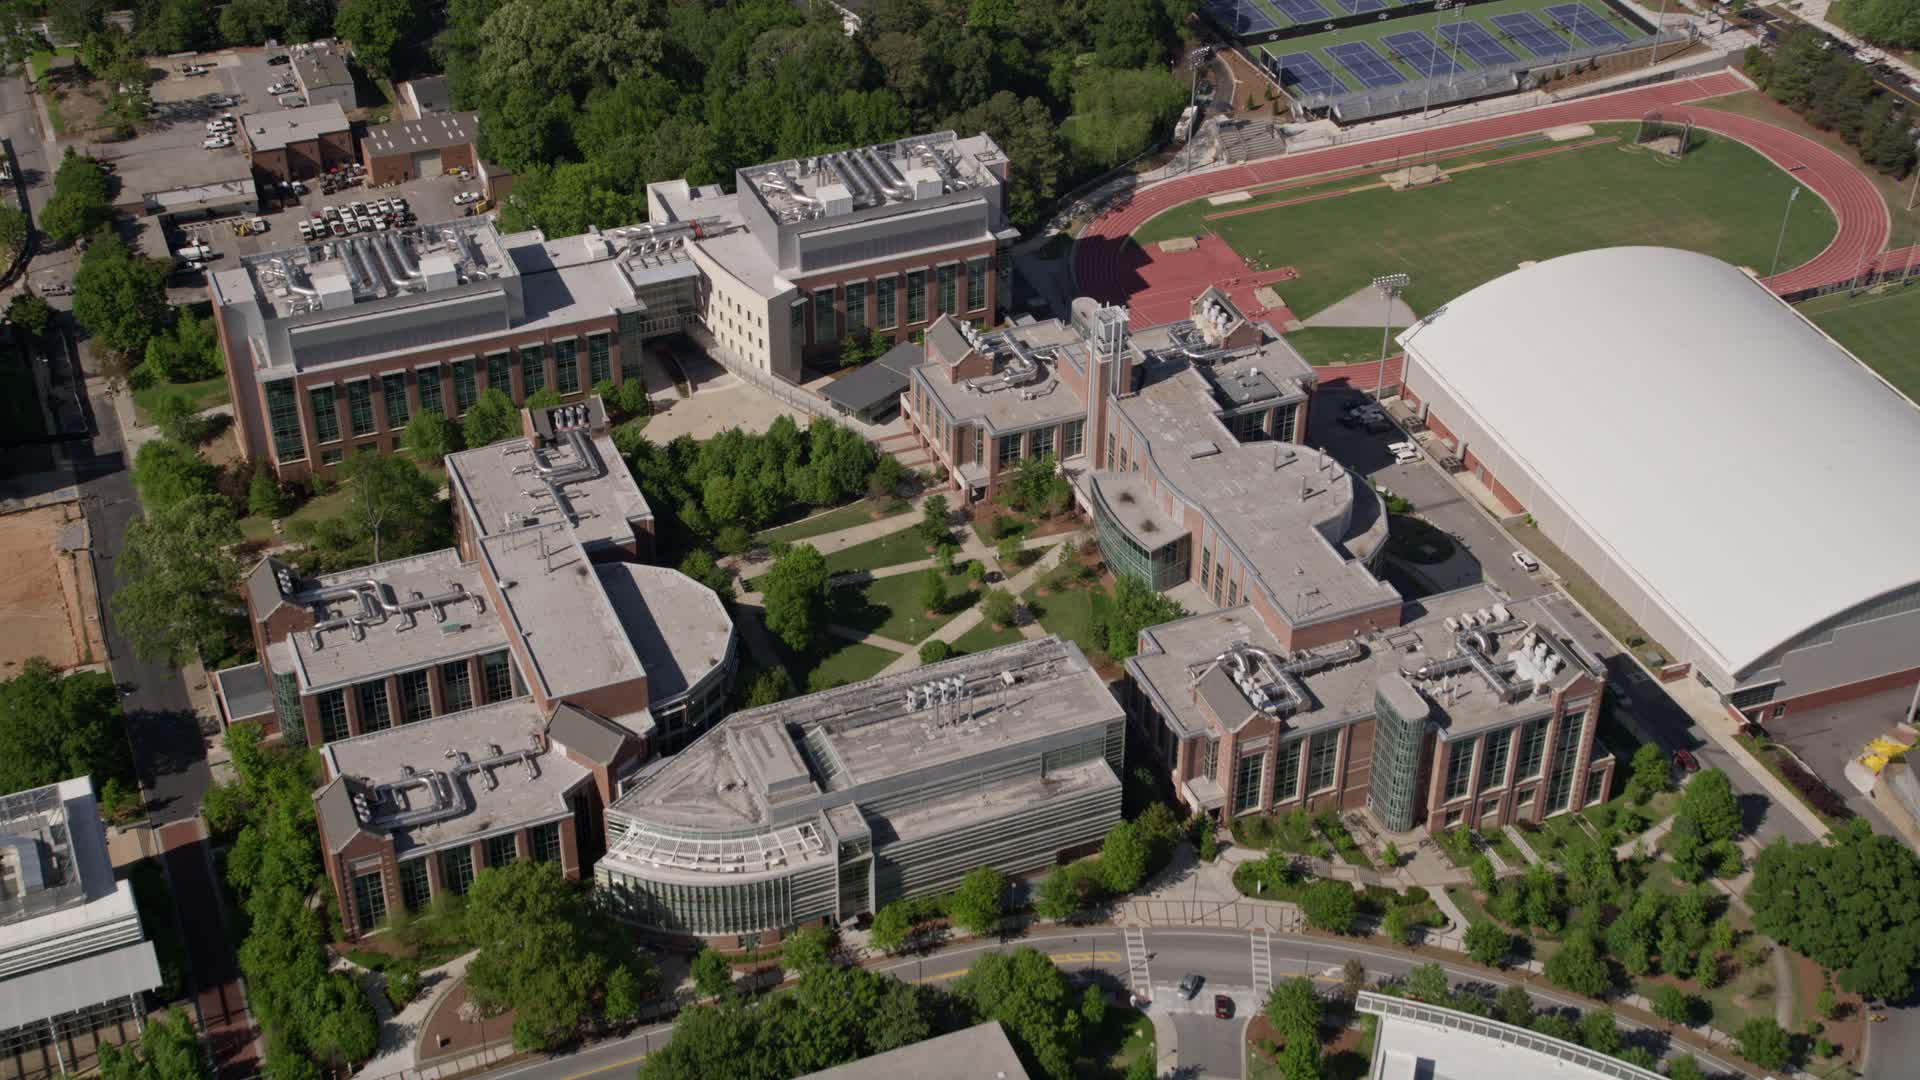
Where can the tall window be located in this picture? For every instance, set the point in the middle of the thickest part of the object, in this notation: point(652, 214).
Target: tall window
point(1459, 769)
point(456, 869)
point(1494, 773)
point(333, 715)
point(360, 406)
point(533, 369)
point(415, 890)
point(1213, 759)
point(1533, 745)
point(374, 713)
point(1286, 771)
point(826, 328)
point(916, 296)
point(979, 442)
point(976, 283)
point(886, 302)
point(500, 372)
point(543, 842)
point(466, 385)
point(456, 685)
point(1006, 448)
point(431, 399)
point(566, 366)
point(502, 850)
point(1322, 755)
point(949, 276)
point(326, 418)
point(856, 307)
point(394, 388)
point(1206, 568)
point(1073, 439)
point(1284, 420)
point(599, 359)
point(416, 698)
point(1566, 752)
point(1246, 781)
point(370, 899)
point(283, 416)
point(496, 676)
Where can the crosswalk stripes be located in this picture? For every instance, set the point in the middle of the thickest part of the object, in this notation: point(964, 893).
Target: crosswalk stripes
point(1137, 972)
point(1262, 964)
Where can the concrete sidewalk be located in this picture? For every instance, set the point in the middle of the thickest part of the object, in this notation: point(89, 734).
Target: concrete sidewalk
point(971, 617)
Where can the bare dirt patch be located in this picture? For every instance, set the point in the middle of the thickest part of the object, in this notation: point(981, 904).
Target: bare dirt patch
point(49, 600)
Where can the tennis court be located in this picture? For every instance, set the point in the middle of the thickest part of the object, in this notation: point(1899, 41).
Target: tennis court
point(1531, 34)
point(1302, 11)
point(1416, 49)
point(1588, 24)
point(1479, 46)
point(1243, 17)
point(1366, 64)
point(1309, 74)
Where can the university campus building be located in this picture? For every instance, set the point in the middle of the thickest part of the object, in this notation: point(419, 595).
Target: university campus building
point(539, 656)
point(823, 807)
point(332, 346)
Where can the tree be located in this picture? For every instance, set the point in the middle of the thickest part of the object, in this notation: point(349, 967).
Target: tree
point(492, 417)
point(430, 437)
point(1008, 551)
point(53, 727)
point(712, 974)
point(1599, 1031)
point(168, 473)
point(1650, 773)
point(1135, 607)
point(1300, 1060)
point(1059, 896)
point(1579, 967)
point(179, 579)
point(30, 312)
point(1396, 926)
point(1765, 1043)
point(169, 1049)
point(774, 684)
point(119, 298)
point(795, 592)
point(933, 590)
point(1024, 991)
point(1672, 1004)
point(999, 608)
point(81, 201)
point(1118, 114)
point(13, 231)
point(1847, 904)
point(626, 995)
point(1482, 868)
point(1488, 944)
point(390, 502)
point(1513, 1005)
point(933, 520)
point(1428, 983)
point(1684, 1067)
point(1093, 1007)
point(1885, 22)
point(1294, 1009)
point(1709, 803)
point(1023, 129)
point(188, 352)
point(1330, 906)
point(1123, 858)
point(934, 651)
point(265, 497)
point(808, 948)
point(976, 905)
point(178, 420)
point(1209, 840)
point(379, 29)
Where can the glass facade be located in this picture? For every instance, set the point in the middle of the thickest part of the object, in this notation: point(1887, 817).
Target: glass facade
point(1073, 439)
point(1286, 771)
point(543, 842)
point(856, 307)
point(416, 698)
point(826, 327)
point(977, 283)
point(1006, 449)
point(456, 686)
point(332, 708)
point(369, 899)
point(1323, 754)
point(1285, 421)
point(599, 359)
point(500, 372)
point(394, 388)
point(916, 296)
point(456, 869)
point(741, 908)
point(496, 677)
point(1159, 569)
point(431, 391)
point(1533, 746)
point(1248, 427)
point(1566, 753)
point(1494, 773)
point(415, 890)
point(375, 715)
point(949, 278)
point(283, 417)
point(566, 366)
point(286, 707)
point(533, 369)
point(502, 850)
point(1459, 769)
point(1246, 782)
point(360, 407)
point(326, 417)
point(886, 312)
point(1397, 741)
point(466, 385)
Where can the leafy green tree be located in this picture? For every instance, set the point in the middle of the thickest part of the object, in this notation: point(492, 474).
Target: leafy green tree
point(430, 437)
point(933, 590)
point(1031, 997)
point(626, 995)
point(1765, 1043)
point(999, 607)
point(178, 420)
point(1579, 967)
point(29, 311)
point(1684, 1067)
point(1428, 982)
point(1672, 1004)
point(712, 974)
point(1847, 904)
point(265, 497)
point(892, 925)
point(933, 520)
point(1123, 858)
point(391, 504)
point(80, 204)
point(492, 417)
point(808, 948)
point(976, 906)
point(1294, 1009)
point(1488, 944)
point(1885, 22)
point(1706, 971)
point(1209, 841)
point(1300, 1060)
point(1709, 803)
point(53, 727)
point(795, 593)
point(1396, 926)
point(1599, 1031)
point(168, 473)
point(1650, 773)
point(403, 983)
point(1008, 551)
point(380, 29)
point(120, 298)
point(1059, 896)
point(187, 352)
point(169, 1049)
point(13, 232)
point(774, 684)
point(544, 398)
point(934, 651)
point(1117, 113)
point(1482, 868)
point(1330, 906)
point(1135, 608)
point(1513, 1005)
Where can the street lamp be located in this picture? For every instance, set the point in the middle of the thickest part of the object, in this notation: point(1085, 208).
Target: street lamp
point(1390, 286)
point(1784, 218)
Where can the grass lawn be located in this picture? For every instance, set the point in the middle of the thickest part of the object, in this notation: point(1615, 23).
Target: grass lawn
point(840, 517)
point(890, 606)
point(1070, 614)
point(204, 394)
point(1723, 199)
point(849, 662)
point(1503, 846)
point(43, 58)
point(984, 636)
point(892, 549)
point(1338, 344)
point(1879, 328)
point(1123, 1035)
point(260, 530)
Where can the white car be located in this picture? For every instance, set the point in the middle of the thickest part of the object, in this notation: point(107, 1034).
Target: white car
point(216, 142)
point(1525, 561)
point(280, 88)
point(466, 197)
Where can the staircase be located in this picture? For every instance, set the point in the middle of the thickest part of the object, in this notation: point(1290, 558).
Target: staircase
point(1139, 976)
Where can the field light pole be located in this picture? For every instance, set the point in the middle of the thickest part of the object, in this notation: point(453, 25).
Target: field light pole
point(1390, 286)
point(1659, 24)
point(1784, 218)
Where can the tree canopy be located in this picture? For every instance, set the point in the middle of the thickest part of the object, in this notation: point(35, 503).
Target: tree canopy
point(1887, 22)
point(119, 297)
point(492, 417)
point(795, 592)
point(54, 726)
point(1848, 904)
point(169, 1049)
point(180, 576)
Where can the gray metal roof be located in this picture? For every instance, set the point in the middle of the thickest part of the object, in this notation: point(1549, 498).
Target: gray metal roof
point(128, 970)
point(586, 734)
point(321, 69)
point(275, 130)
point(879, 381)
point(982, 1050)
point(245, 691)
point(436, 131)
point(430, 93)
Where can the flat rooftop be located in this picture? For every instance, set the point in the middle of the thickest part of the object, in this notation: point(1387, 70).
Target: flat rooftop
point(495, 798)
point(502, 491)
point(276, 130)
point(591, 276)
point(904, 171)
point(321, 68)
point(435, 131)
point(556, 606)
point(337, 273)
point(460, 626)
point(1417, 1041)
point(1179, 671)
point(738, 774)
point(1004, 402)
point(56, 880)
point(676, 625)
point(981, 1052)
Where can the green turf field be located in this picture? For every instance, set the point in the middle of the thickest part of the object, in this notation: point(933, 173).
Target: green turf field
point(1425, 22)
point(1722, 199)
point(1880, 330)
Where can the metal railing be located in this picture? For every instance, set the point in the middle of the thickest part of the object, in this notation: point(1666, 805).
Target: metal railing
point(1386, 1006)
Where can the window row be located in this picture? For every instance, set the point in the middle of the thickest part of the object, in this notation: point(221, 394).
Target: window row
point(842, 310)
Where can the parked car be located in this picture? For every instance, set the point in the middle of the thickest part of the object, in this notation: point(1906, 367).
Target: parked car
point(1190, 985)
point(216, 142)
point(292, 101)
point(282, 87)
point(279, 58)
point(1685, 761)
point(466, 197)
point(1222, 1007)
point(1525, 561)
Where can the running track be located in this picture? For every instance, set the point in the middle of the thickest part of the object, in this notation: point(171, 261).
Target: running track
point(1107, 265)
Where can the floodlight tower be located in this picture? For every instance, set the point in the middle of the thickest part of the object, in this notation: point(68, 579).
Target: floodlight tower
point(1390, 286)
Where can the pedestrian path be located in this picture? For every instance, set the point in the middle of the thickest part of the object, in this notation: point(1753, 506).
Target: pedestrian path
point(1520, 841)
point(970, 618)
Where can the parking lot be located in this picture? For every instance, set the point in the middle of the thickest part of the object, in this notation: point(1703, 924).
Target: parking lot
point(431, 200)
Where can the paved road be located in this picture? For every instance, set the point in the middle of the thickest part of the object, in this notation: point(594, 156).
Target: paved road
point(1223, 956)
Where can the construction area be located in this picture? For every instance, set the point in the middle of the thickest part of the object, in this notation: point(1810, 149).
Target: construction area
point(49, 598)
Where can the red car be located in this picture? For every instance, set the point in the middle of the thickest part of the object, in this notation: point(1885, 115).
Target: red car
point(1685, 760)
point(1222, 1007)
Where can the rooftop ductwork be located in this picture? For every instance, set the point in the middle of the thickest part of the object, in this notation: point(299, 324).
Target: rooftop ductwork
point(863, 193)
point(888, 177)
point(377, 603)
point(408, 266)
point(377, 272)
point(447, 792)
point(1272, 683)
point(357, 274)
point(293, 280)
point(388, 260)
point(574, 424)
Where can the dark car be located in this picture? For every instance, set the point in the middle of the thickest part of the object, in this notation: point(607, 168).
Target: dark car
point(281, 58)
point(1190, 985)
point(1685, 760)
point(1222, 1007)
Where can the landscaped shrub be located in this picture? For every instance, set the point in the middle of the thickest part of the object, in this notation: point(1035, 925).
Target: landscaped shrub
point(1817, 792)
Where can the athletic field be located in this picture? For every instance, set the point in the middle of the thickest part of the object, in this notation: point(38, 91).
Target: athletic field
point(1882, 330)
point(1525, 199)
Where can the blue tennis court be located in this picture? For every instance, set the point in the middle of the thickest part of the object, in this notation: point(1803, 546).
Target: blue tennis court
point(1591, 28)
point(1302, 70)
point(1532, 35)
point(1244, 16)
point(1360, 7)
point(1367, 65)
point(1479, 46)
point(1302, 11)
point(1418, 51)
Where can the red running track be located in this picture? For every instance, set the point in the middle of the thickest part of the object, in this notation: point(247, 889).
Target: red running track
point(1109, 266)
